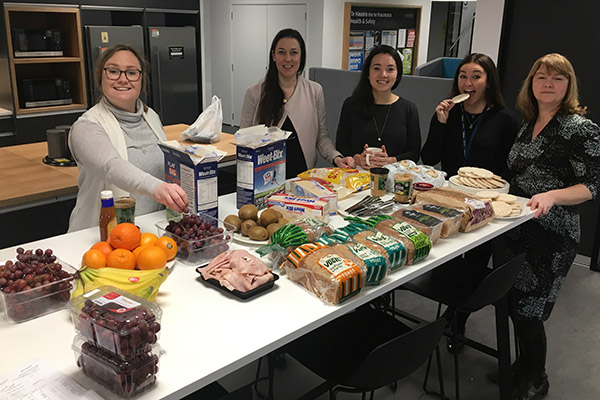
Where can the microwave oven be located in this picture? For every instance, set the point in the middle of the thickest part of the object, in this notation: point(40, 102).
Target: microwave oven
point(42, 92)
point(37, 42)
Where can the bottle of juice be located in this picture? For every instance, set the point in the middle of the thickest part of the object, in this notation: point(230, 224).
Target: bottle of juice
point(108, 214)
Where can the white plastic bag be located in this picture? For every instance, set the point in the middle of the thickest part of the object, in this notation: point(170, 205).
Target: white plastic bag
point(207, 128)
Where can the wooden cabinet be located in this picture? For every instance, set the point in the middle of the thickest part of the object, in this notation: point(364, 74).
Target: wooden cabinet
point(69, 66)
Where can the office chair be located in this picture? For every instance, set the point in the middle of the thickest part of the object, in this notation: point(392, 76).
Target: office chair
point(364, 350)
point(490, 290)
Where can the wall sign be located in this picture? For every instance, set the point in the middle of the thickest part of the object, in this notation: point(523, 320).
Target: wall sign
point(367, 26)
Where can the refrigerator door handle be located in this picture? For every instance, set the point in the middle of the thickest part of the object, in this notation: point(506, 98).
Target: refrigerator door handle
point(157, 81)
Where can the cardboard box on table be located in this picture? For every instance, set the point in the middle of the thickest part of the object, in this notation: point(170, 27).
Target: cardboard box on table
point(260, 173)
point(196, 174)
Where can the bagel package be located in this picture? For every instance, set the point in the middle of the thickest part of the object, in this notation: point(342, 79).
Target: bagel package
point(420, 174)
point(476, 212)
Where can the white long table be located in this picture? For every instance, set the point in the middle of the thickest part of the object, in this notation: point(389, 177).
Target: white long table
point(208, 334)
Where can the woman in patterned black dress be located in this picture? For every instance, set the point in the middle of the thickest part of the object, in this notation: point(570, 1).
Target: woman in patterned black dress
point(556, 161)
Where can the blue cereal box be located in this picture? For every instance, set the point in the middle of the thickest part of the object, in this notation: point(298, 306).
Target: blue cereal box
point(260, 173)
point(195, 170)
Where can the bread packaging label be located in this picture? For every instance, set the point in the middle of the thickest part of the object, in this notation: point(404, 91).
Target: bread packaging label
point(375, 262)
point(396, 251)
point(344, 271)
point(420, 240)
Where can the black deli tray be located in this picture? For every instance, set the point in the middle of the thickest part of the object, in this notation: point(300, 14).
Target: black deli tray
point(237, 293)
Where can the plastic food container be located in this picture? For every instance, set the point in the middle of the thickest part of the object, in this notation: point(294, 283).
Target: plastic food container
point(117, 321)
point(29, 304)
point(191, 249)
point(124, 378)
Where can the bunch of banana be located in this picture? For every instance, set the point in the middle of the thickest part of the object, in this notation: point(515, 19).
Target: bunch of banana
point(141, 283)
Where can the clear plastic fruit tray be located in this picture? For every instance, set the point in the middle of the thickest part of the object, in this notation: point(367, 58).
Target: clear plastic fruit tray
point(37, 301)
point(117, 321)
point(197, 248)
point(124, 378)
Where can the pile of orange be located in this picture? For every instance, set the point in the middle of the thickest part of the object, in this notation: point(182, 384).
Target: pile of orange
point(128, 248)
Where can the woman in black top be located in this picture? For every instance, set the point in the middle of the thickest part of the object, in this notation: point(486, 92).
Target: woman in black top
point(375, 117)
point(479, 133)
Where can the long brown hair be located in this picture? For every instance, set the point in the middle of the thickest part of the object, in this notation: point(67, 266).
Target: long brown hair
point(270, 107)
point(493, 95)
point(527, 103)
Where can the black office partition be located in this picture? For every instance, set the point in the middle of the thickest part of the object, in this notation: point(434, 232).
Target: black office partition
point(533, 28)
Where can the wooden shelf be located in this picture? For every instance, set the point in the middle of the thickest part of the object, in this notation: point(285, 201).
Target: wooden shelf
point(46, 60)
point(70, 66)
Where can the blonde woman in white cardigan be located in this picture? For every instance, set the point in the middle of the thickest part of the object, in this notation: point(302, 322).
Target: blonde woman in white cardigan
point(115, 143)
point(285, 99)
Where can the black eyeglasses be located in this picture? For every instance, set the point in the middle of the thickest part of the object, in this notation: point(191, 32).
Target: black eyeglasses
point(132, 75)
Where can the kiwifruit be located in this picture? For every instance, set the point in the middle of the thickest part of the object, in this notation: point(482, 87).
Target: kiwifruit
point(273, 227)
point(258, 233)
point(247, 225)
point(279, 214)
point(282, 221)
point(248, 211)
point(234, 221)
point(269, 216)
point(260, 222)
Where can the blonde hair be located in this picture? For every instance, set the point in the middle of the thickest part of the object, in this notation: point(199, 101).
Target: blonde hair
point(527, 103)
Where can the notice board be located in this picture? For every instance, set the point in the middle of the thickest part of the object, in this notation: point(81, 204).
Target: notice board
point(368, 25)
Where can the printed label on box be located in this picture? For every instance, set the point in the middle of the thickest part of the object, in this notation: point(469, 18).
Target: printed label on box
point(260, 173)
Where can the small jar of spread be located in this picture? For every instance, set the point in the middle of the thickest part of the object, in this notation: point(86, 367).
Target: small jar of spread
point(402, 186)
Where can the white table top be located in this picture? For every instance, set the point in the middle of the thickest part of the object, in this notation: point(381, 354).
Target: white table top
point(207, 334)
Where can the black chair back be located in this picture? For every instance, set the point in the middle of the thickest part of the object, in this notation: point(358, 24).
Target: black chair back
point(397, 358)
point(495, 285)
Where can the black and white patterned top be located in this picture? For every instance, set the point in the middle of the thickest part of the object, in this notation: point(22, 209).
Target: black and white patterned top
point(565, 153)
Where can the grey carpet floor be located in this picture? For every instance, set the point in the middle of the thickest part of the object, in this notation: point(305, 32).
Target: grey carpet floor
point(573, 363)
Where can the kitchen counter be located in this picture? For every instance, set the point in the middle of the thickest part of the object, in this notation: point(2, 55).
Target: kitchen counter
point(26, 181)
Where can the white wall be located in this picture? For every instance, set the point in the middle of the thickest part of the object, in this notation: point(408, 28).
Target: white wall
point(488, 27)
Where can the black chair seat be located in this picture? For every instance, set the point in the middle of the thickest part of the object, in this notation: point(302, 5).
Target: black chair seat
point(366, 349)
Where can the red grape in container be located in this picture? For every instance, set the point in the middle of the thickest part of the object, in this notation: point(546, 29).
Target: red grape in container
point(199, 237)
point(34, 284)
point(117, 321)
point(126, 378)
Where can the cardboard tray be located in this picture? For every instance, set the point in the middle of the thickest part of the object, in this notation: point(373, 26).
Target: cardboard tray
point(237, 293)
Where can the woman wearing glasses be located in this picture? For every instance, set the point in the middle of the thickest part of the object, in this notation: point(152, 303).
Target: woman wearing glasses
point(115, 142)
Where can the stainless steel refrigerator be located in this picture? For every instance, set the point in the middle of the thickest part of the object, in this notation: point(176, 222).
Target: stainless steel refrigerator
point(102, 37)
point(174, 73)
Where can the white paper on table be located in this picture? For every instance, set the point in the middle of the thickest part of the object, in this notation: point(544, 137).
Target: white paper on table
point(37, 380)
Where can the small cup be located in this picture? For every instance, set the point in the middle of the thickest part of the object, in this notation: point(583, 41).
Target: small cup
point(125, 208)
point(370, 152)
point(378, 180)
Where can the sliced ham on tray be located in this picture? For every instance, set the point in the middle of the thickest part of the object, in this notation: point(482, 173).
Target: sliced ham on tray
point(238, 270)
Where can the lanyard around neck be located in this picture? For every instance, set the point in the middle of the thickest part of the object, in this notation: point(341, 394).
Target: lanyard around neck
point(467, 146)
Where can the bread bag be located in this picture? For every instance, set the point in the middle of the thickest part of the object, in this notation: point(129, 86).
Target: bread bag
point(450, 217)
point(477, 213)
point(416, 243)
point(330, 276)
point(428, 224)
point(393, 250)
point(374, 263)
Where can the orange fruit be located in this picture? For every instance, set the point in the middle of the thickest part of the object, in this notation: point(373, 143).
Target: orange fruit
point(121, 258)
point(94, 258)
point(104, 247)
point(151, 257)
point(136, 251)
point(168, 245)
point(148, 239)
point(125, 236)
